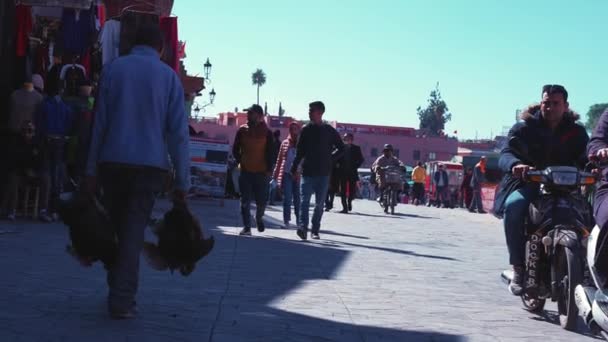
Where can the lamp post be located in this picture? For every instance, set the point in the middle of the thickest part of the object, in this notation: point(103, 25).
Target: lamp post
point(198, 108)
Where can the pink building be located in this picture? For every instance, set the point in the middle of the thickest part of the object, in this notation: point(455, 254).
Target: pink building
point(409, 145)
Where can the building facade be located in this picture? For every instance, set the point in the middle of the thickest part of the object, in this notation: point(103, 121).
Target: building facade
point(410, 146)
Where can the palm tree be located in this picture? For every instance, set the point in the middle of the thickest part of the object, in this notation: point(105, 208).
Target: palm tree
point(258, 78)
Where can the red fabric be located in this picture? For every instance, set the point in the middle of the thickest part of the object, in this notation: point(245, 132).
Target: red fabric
point(23, 18)
point(101, 14)
point(41, 62)
point(168, 25)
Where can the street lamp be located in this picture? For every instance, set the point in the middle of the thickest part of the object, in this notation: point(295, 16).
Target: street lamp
point(197, 111)
point(207, 69)
point(212, 96)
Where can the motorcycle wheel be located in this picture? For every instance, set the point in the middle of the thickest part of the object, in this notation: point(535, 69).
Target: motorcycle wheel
point(568, 274)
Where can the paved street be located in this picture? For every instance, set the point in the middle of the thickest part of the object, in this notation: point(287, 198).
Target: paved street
point(424, 275)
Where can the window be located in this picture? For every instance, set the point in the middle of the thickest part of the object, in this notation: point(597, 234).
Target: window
point(416, 155)
point(432, 156)
point(374, 152)
point(231, 121)
point(396, 152)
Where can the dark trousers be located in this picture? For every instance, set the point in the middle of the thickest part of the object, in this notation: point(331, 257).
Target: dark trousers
point(129, 194)
point(476, 203)
point(254, 186)
point(57, 168)
point(442, 196)
point(329, 200)
point(347, 198)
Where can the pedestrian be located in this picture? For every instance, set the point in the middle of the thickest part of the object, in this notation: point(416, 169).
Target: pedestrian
point(139, 121)
point(333, 188)
point(284, 180)
point(465, 188)
point(252, 150)
point(419, 178)
point(477, 179)
point(441, 186)
point(348, 174)
point(276, 145)
point(318, 146)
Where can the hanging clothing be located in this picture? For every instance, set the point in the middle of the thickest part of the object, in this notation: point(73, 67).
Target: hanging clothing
point(25, 24)
point(78, 29)
point(168, 26)
point(109, 40)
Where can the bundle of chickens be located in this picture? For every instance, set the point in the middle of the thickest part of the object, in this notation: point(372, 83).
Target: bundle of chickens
point(181, 243)
point(93, 237)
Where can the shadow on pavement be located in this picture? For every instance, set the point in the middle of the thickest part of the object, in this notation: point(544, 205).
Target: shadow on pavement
point(553, 317)
point(332, 243)
point(247, 289)
point(396, 215)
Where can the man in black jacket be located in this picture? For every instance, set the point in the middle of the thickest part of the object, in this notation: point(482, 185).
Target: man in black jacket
point(547, 136)
point(347, 172)
point(319, 145)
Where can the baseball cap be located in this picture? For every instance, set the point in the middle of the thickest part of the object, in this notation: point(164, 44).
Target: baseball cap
point(255, 109)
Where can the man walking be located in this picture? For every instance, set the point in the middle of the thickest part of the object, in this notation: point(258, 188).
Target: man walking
point(252, 150)
point(418, 177)
point(140, 120)
point(282, 177)
point(319, 144)
point(476, 180)
point(348, 175)
point(441, 186)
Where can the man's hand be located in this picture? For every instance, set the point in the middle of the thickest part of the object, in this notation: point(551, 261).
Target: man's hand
point(520, 170)
point(602, 154)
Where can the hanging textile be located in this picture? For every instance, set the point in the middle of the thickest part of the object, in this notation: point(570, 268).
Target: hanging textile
point(25, 24)
point(78, 29)
point(168, 26)
point(109, 40)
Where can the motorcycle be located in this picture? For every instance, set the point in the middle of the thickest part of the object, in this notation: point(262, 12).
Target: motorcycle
point(556, 226)
point(592, 297)
point(393, 183)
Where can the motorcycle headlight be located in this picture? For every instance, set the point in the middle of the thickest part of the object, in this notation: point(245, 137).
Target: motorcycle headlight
point(564, 178)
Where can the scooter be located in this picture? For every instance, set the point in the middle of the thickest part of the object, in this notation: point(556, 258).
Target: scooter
point(592, 299)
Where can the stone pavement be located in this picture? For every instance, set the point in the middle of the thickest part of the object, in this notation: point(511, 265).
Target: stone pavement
point(425, 274)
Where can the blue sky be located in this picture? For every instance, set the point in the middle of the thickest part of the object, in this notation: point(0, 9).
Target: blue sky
point(376, 61)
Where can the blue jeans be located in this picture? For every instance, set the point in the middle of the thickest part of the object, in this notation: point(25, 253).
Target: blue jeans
point(318, 185)
point(253, 186)
point(516, 209)
point(291, 193)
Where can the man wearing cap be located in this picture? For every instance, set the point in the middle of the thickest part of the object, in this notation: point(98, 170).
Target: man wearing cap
point(386, 159)
point(478, 178)
point(252, 150)
point(319, 146)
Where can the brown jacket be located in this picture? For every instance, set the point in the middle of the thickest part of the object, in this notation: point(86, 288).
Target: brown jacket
point(252, 148)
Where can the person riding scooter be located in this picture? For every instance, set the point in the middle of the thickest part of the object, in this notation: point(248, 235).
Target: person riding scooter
point(550, 136)
point(387, 159)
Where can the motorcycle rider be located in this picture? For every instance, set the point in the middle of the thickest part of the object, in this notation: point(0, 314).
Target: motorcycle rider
point(598, 146)
point(549, 136)
point(386, 159)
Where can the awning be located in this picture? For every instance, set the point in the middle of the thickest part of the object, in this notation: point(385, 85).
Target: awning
point(192, 84)
point(79, 4)
point(161, 8)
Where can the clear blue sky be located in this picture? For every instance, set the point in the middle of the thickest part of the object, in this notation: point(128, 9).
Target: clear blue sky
point(376, 61)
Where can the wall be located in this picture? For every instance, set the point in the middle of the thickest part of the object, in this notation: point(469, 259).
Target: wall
point(443, 148)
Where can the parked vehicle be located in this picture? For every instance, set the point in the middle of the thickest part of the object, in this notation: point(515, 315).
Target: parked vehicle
point(455, 175)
